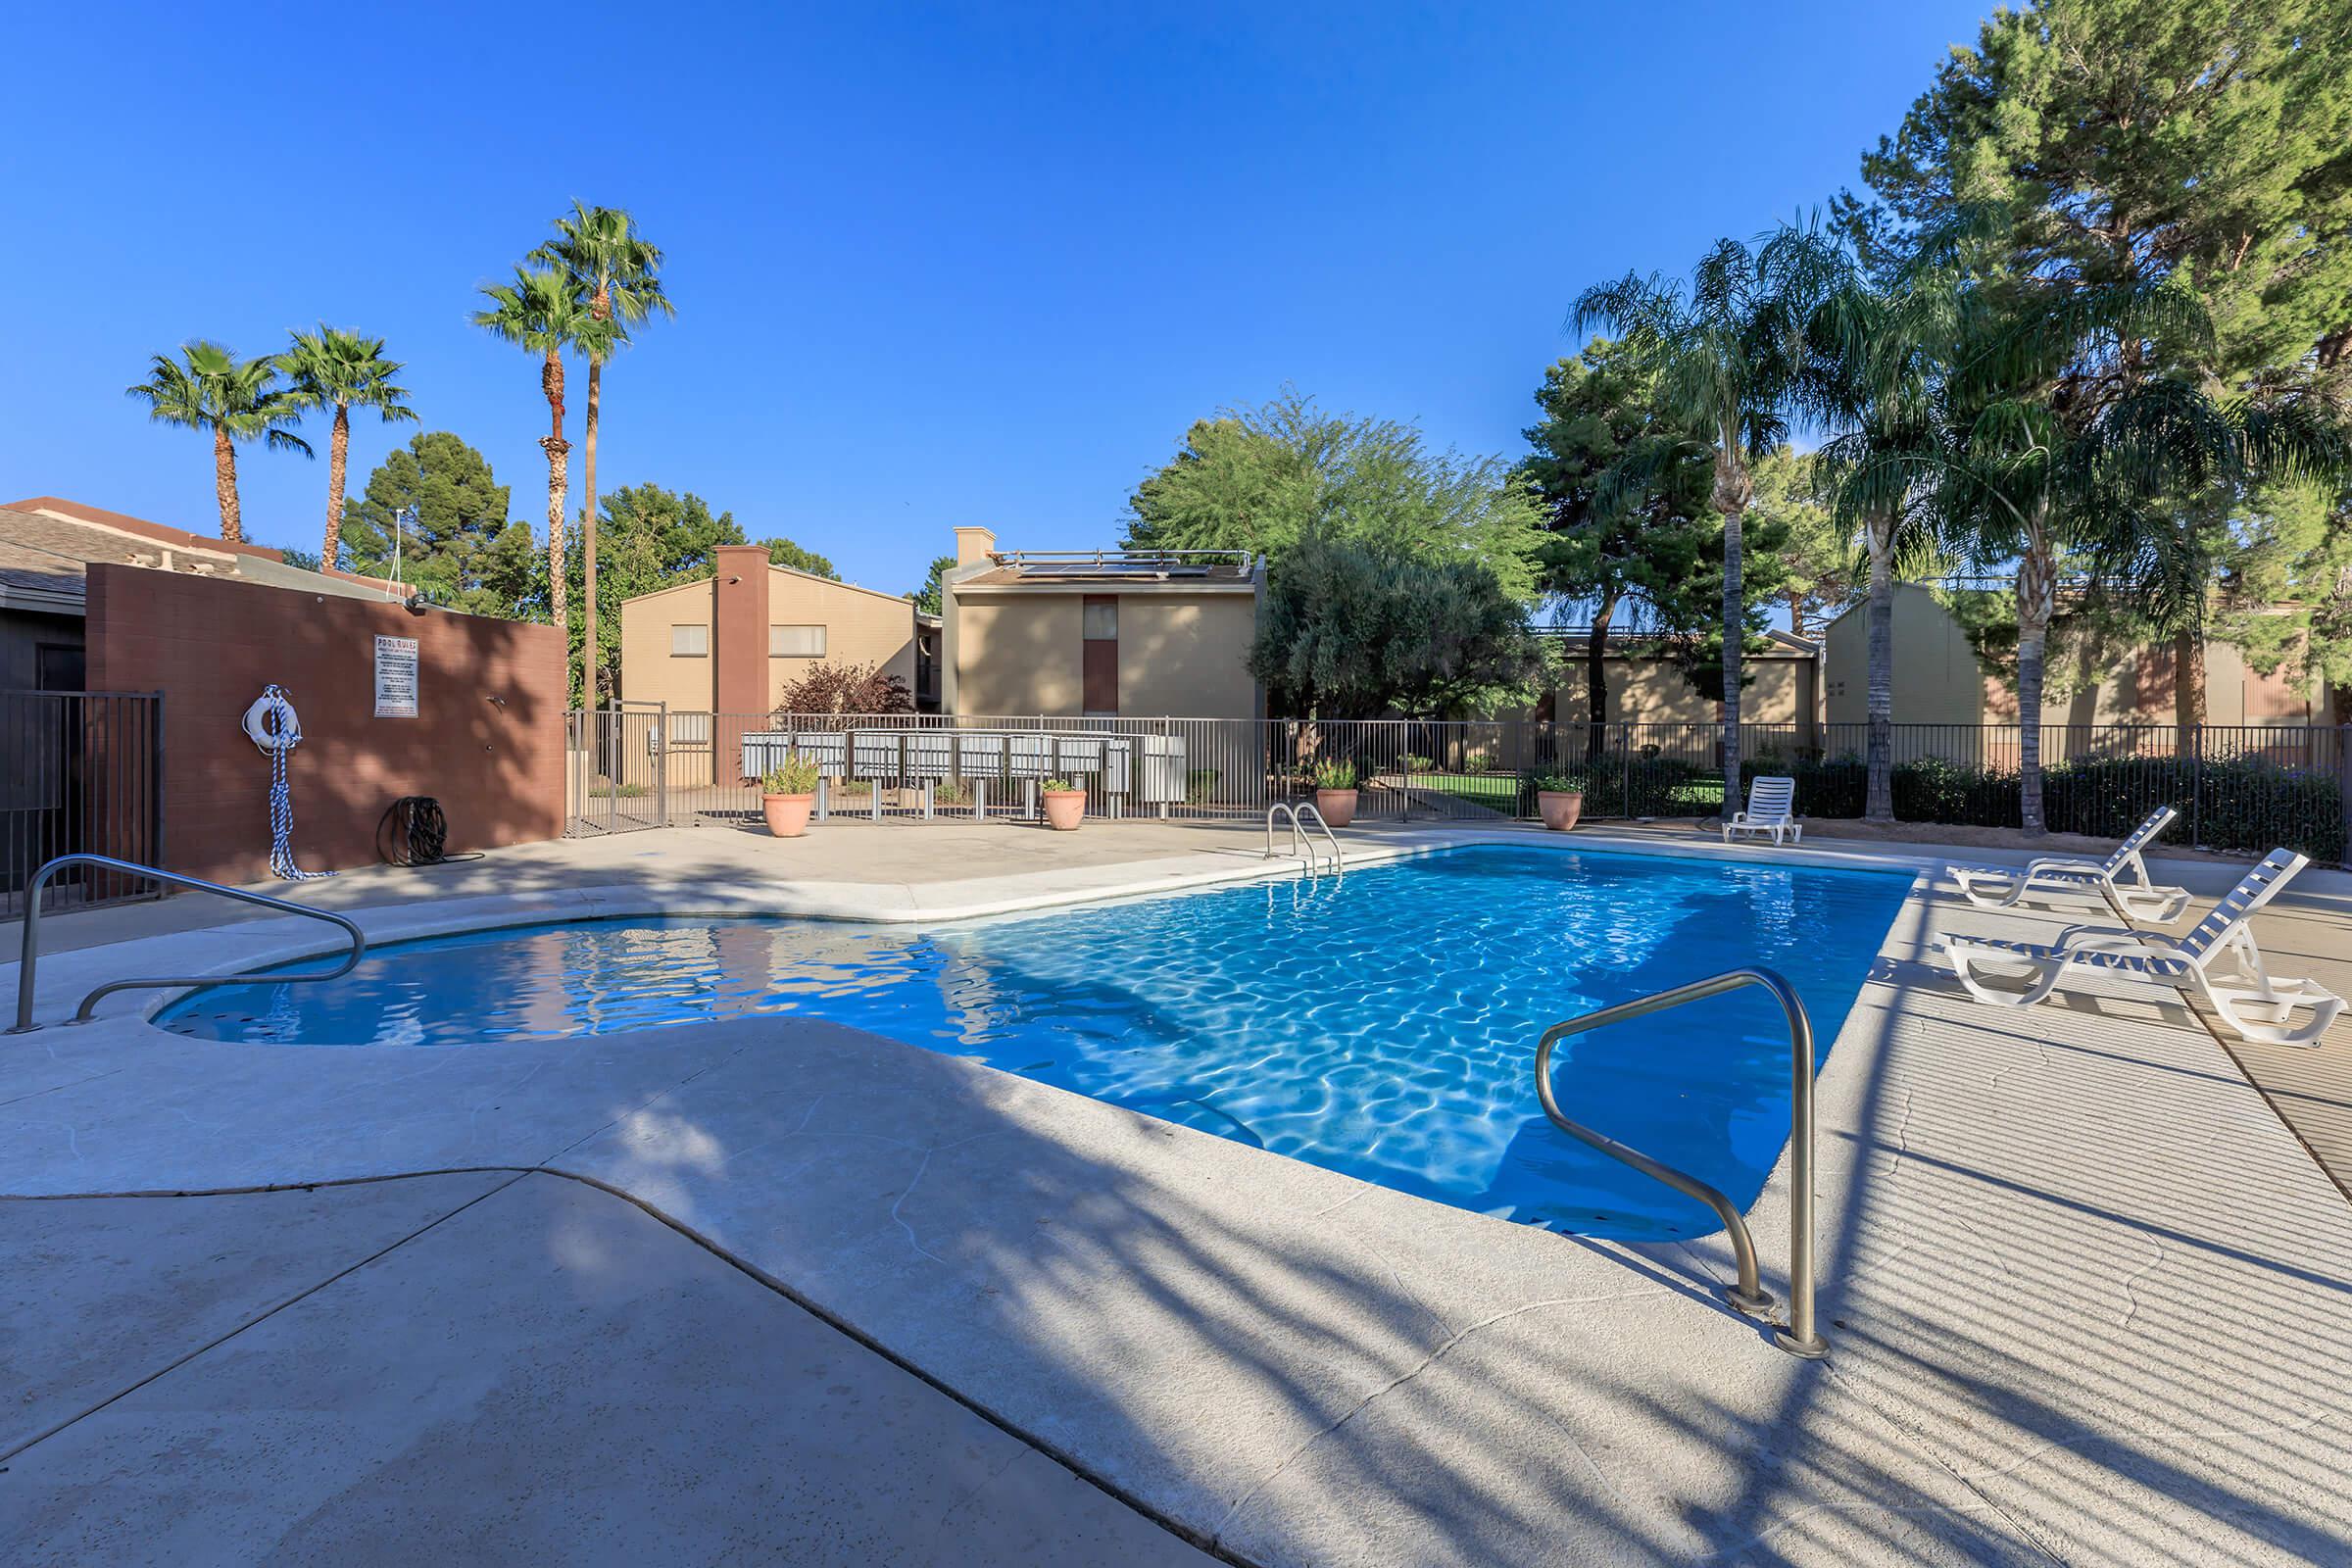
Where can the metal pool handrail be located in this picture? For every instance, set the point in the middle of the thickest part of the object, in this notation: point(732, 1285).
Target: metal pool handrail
point(1300, 835)
point(32, 934)
point(1799, 1338)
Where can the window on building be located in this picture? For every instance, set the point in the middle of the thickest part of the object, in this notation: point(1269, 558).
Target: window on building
point(690, 642)
point(796, 642)
point(1099, 658)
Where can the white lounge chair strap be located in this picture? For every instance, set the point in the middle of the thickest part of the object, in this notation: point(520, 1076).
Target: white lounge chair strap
point(2253, 891)
point(2157, 821)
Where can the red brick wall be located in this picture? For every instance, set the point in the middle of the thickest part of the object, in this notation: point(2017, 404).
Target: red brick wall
point(487, 741)
point(738, 650)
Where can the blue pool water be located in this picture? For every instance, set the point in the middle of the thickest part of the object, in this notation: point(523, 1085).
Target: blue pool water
point(1382, 1023)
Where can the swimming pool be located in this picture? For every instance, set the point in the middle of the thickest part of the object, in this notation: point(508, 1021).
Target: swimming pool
point(1383, 1024)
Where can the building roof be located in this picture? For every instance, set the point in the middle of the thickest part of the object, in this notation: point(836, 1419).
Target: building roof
point(47, 544)
point(789, 571)
point(1185, 570)
point(1622, 642)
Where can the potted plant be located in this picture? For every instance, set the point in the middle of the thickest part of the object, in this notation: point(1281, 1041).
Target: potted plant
point(1065, 804)
point(787, 792)
point(1559, 800)
point(1335, 792)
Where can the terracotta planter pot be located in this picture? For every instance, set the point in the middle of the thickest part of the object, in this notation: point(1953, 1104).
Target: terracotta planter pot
point(1560, 807)
point(1337, 806)
point(1064, 809)
point(787, 814)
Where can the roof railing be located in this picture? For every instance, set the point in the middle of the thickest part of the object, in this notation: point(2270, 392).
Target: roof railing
point(1119, 558)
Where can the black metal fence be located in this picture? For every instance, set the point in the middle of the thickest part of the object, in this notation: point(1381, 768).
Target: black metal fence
point(613, 779)
point(79, 773)
point(2240, 788)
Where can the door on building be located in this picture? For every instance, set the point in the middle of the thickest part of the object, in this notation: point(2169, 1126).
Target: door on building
point(59, 667)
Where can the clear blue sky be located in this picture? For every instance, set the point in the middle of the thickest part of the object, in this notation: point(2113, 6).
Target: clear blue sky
point(933, 264)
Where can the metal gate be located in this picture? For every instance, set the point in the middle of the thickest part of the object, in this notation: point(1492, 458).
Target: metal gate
point(617, 769)
point(81, 773)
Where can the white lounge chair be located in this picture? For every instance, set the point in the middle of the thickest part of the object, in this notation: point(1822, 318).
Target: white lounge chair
point(2004, 887)
point(1770, 803)
point(2248, 1000)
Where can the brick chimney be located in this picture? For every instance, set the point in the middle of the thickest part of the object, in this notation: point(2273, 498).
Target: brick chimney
point(974, 545)
point(738, 651)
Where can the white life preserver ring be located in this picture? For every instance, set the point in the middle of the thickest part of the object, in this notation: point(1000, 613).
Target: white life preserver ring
point(281, 737)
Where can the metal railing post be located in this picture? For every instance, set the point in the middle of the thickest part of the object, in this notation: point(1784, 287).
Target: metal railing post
point(656, 758)
point(2343, 790)
point(155, 779)
point(2196, 736)
point(1802, 1337)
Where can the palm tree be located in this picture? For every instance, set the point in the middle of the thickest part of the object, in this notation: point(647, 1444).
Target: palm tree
point(331, 368)
point(1728, 352)
point(615, 273)
point(236, 400)
point(1875, 368)
point(2061, 445)
point(539, 315)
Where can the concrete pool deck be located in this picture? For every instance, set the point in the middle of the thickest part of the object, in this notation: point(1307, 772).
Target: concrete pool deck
point(2086, 1292)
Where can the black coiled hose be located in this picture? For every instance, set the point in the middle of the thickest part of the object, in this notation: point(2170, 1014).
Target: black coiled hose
point(414, 832)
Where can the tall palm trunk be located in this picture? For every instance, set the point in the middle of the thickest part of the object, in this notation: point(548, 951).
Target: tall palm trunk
point(338, 449)
point(592, 642)
point(551, 383)
point(1877, 798)
point(2036, 600)
point(2188, 675)
point(1597, 677)
point(2339, 601)
point(1731, 495)
point(225, 485)
point(600, 311)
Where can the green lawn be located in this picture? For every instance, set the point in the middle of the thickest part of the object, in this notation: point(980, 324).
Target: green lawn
point(1497, 791)
point(1653, 796)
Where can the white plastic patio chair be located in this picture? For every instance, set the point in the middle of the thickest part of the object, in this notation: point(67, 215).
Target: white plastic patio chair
point(2004, 887)
point(1769, 809)
point(2248, 1000)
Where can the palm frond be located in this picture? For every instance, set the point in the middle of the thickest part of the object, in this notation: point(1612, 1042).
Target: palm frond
point(537, 312)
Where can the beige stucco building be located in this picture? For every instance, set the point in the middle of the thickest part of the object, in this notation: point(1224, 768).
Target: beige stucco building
point(1645, 687)
point(1099, 634)
point(1938, 680)
point(671, 646)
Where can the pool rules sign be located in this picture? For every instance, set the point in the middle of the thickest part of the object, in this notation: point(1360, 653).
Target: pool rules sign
point(396, 677)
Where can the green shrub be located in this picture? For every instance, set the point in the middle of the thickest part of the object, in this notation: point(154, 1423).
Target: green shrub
point(1059, 786)
point(1200, 786)
point(1824, 787)
point(796, 774)
point(1335, 775)
point(2248, 804)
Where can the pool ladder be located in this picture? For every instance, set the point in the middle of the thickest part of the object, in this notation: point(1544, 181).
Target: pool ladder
point(31, 950)
point(1303, 843)
point(1799, 1337)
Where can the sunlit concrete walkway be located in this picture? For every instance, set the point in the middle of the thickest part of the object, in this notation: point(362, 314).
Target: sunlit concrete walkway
point(2085, 1292)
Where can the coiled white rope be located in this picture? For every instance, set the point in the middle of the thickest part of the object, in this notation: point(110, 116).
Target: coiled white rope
point(286, 731)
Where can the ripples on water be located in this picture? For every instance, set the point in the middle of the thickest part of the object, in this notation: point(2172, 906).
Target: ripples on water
point(1383, 1024)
